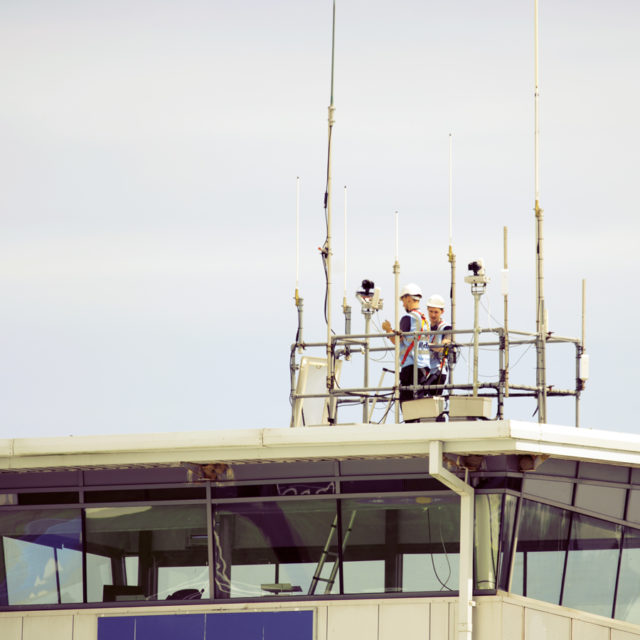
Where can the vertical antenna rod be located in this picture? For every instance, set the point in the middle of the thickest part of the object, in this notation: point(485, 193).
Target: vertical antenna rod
point(584, 306)
point(505, 293)
point(396, 325)
point(582, 359)
point(344, 295)
point(327, 207)
point(345, 307)
point(297, 237)
point(451, 256)
point(298, 300)
point(541, 382)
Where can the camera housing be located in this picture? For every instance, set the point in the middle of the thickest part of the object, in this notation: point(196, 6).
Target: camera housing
point(367, 286)
point(477, 266)
point(369, 297)
point(479, 278)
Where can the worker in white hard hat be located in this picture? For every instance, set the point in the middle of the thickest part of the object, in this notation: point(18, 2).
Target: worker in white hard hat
point(438, 351)
point(414, 320)
point(431, 351)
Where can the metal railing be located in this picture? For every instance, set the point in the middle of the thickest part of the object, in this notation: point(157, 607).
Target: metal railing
point(496, 340)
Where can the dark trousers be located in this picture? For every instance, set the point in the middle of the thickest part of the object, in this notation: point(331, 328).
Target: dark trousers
point(424, 377)
point(406, 379)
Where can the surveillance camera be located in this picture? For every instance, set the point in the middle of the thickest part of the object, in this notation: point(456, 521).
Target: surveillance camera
point(367, 286)
point(477, 266)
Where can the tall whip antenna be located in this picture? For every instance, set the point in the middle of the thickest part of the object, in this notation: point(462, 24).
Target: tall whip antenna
point(451, 255)
point(344, 295)
point(541, 382)
point(396, 325)
point(345, 307)
point(326, 250)
point(299, 301)
point(297, 238)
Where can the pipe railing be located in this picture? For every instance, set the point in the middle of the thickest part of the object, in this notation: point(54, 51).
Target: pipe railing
point(349, 345)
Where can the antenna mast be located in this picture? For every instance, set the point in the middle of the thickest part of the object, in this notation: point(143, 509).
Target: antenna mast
point(298, 300)
point(451, 255)
point(345, 307)
point(396, 325)
point(541, 382)
point(327, 246)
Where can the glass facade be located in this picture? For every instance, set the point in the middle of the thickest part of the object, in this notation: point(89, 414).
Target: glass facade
point(146, 552)
point(577, 561)
point(566, 534)
point(274, 548)
point(41, 557)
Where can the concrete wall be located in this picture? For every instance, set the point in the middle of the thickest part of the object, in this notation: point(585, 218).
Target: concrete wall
point(501, 617)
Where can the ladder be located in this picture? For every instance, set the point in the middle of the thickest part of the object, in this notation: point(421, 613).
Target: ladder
point(326, 552)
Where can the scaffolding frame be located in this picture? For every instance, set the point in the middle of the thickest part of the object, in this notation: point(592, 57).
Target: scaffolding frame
point(495, 338)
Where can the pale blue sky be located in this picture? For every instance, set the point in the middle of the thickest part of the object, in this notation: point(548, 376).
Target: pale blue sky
point(149, 156)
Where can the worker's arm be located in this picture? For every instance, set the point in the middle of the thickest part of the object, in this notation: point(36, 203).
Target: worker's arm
point(446, 339)
point(386, 325)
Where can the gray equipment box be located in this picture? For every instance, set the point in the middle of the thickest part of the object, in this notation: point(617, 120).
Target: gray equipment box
point(429, 408)
point(470, 407)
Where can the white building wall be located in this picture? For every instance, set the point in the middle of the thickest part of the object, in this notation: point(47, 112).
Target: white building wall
point(501, 617)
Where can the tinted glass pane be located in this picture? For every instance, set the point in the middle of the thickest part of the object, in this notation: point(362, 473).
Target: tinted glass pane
point(507, 538)
point(595, 471)
point(388, 485)
point(401, 544)
point(264, 490)
point(633, 508)
point(167, 545)
point(487, 539)
point(551, 489)
point(146, 495)
point(628, 599)
point(276, 548)
point(69, 497)
point(606, 501)
point(592, 565)
point(556, 467)
point(543, 535)
point(40, 559)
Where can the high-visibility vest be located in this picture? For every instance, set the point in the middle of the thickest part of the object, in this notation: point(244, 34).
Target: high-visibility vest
point(418, 323)
point(428, 358)
point(438, 359)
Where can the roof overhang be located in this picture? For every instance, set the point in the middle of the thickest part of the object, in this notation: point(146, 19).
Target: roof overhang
point(315, 443)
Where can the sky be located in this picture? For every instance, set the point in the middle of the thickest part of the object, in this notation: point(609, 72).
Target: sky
point(149, 160)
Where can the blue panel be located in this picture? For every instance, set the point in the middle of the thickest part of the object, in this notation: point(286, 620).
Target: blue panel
point(116, 628)
point(260, 625)
point(170, 627)
point(289, 625)
point(250, 625)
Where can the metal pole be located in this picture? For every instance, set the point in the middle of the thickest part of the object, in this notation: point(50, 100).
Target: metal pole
point(396, 326)
point(347, 317)
point(345, 307)
point(296, 347)
point(501, 367)
point(476, 336)
point(578, 383)
point(365, 404)
point(330, 369)
point(541, 381)
point(584, 308)
point(299, 305)
point(506, 317)
point(452, 257)
point(580, 349)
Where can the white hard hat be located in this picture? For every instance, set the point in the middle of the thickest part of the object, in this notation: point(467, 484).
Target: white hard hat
point(411, 289)
point(436, 301)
